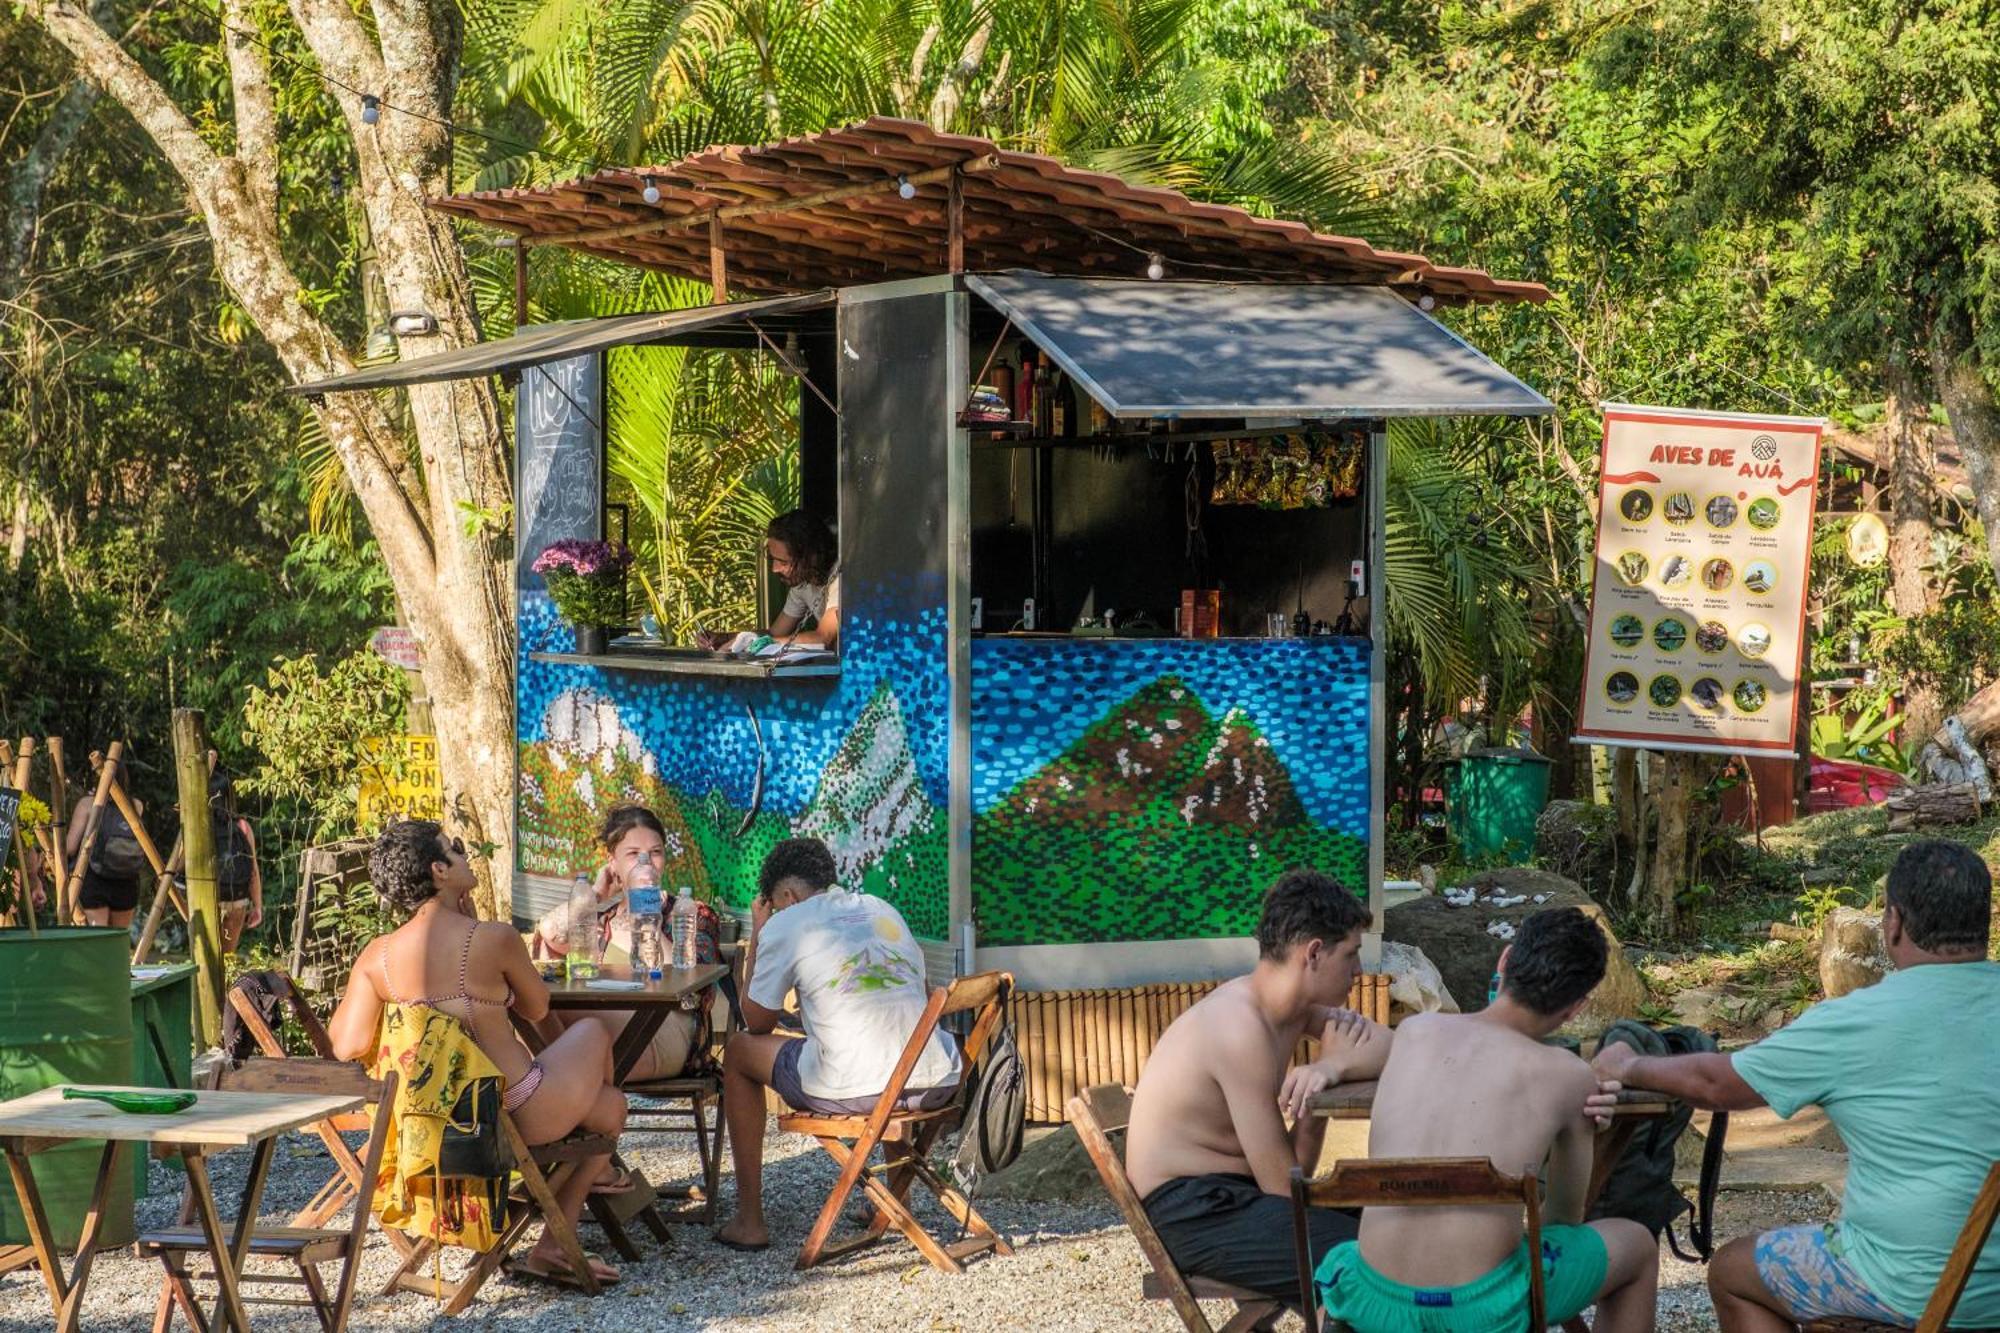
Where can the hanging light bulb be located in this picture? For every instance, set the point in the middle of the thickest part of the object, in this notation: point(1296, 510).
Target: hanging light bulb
point(371, 108)
point(651, 194)
point(1156, 267)
point(1427, 302)
point(904, 188)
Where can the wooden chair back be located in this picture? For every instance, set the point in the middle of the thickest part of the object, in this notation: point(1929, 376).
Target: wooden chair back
point(1096, 1114)
point(1417, 1182)
point(1958, 1266)
point(985, 992)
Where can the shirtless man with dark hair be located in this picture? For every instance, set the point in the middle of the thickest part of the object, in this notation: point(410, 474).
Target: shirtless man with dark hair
point(1207, 1149)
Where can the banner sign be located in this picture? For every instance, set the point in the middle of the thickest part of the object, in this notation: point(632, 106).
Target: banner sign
point(399, 780)
point(397, 645)
point(1704, 548)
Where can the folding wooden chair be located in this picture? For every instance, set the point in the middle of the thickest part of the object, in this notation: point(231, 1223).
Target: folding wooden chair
point(1415, 1182)
point(693, 1106)
point(306, 1247)
point(906, 1138)
point(543, 1169)
point(1957, 1270)
point(1098, 1113)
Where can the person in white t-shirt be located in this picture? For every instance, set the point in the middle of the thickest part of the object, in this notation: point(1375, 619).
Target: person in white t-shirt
point(806, 555)
point(859, 977)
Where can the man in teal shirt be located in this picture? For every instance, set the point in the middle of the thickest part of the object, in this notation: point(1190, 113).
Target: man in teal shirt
point(1908, 1070)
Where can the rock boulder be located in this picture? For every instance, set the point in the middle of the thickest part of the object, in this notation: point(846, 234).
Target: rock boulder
point(1457, 941)
point(1850, 951)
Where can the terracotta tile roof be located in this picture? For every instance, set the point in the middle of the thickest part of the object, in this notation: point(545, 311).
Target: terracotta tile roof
point(781, 232)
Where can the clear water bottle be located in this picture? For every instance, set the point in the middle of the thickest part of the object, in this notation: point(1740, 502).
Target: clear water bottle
point(581, 956)
point(686, 916)
point(642, 899)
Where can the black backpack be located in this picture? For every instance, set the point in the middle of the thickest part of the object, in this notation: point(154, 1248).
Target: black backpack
point(117, 855)
point(233, 862)
point(994, 1098)
point(1641, 1186)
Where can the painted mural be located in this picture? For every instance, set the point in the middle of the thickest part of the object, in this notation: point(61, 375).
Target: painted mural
point(732, 767)
point(1151, 789)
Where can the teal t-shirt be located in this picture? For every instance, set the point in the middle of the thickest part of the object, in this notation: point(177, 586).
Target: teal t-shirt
point(1908, 1070)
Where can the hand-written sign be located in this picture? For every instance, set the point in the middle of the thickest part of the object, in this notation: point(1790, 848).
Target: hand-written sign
point(1704, 545)
point(399, 780)
point(559, 447)
point(397, 646)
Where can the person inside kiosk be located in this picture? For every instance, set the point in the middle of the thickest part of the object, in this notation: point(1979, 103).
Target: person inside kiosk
point(804, 554)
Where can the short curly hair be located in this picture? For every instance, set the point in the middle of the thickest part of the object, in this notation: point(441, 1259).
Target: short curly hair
point(400, 863)
point(810, 541)
point(1557, 958)
point(1305, 904)
point(796, 858)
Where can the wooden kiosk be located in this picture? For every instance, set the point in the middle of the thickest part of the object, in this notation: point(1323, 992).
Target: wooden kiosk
point(1088, 806)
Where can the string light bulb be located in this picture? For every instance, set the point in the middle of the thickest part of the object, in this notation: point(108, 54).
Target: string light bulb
point(1427, 302)
point(1156, 266)
point(651, 194)
point(904, 188)
point(371, 108)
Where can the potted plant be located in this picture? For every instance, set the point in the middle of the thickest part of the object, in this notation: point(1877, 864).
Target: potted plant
point(587, 583)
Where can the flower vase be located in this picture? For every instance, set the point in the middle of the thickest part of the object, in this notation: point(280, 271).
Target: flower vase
point(591, 640)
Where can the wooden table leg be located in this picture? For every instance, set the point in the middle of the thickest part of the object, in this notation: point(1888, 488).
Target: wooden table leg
point(39, 1235)
point(634, 1040)
point(70, 1317)
point(229, 1304)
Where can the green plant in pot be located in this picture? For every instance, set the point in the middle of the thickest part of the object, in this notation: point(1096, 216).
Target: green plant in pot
point(587, 583)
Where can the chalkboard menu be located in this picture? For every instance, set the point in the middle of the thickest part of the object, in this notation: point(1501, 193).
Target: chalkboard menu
point(559, 459)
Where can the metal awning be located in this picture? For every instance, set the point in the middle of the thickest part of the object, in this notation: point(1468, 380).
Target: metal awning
point(1165, 349)
point(554, 342)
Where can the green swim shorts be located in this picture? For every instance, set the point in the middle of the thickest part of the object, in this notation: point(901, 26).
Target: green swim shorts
point(1573, 1267)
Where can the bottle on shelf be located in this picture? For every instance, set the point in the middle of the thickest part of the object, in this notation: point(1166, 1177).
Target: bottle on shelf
point(1043, 402)
point(642, 899)
point(1062, 408)
point(1024, 388)
point(584, 946)
point(686, 917)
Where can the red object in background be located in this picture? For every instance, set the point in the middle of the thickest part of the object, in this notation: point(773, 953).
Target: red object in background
point(1840, 784)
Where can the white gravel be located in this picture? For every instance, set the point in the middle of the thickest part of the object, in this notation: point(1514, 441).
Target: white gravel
point(1074, 1268)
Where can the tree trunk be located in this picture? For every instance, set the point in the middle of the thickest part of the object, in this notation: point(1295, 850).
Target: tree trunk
point(1667, 875)
point(441, 524)
point(1975, 417)
point(1910, 479)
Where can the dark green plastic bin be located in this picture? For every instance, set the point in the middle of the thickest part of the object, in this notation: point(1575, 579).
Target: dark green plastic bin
point(1491, 801)
point(66, 1017)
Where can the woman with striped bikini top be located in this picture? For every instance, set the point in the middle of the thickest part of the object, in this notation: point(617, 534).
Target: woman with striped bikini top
point(420, 872)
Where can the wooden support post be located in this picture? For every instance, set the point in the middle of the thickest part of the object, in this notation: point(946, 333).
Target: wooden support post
point(106, 765)
point(520, 284)
point(954, 214)
point(58, 801)
point(198, 840)
point(158, 910)
point(718, 265)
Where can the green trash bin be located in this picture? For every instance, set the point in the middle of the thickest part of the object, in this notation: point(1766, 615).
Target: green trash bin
point(66, 1017)
point(1491, 801)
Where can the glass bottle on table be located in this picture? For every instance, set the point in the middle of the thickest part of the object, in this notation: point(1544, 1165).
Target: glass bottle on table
point(642, 899)
point(584, 945)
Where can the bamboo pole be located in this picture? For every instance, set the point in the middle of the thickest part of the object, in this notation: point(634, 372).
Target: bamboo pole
point(158, 910)
point(106, 765)
point(198, 840)
point(58, 799)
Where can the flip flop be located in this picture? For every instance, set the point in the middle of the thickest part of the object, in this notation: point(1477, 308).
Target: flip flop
point(528, 1269)
point(623, 1181)
point(742, 1246)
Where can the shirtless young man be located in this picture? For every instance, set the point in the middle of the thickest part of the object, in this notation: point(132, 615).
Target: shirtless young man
point(1483, 1085)
point(1207, 1149)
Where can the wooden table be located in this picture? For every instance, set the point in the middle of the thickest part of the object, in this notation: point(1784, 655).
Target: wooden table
point(649, 1008)
point(217, 1120)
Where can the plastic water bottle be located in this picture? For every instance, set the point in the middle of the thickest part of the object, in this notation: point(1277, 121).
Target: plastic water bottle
point(686, 915)
point(642, 899)
point(580, 958)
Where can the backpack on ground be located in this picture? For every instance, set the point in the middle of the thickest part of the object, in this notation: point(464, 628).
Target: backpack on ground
point(995, 1117)
point(1641, 1186)
point(117, 855)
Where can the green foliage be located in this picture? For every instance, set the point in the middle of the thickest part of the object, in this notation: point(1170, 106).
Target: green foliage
point(588, 599)
point(1864, 736)
point(309, 725)
point(1954, 650)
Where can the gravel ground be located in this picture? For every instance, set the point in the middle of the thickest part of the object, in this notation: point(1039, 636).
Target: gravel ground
point(1074, 1268)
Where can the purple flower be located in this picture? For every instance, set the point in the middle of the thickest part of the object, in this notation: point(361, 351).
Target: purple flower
point(589, 559)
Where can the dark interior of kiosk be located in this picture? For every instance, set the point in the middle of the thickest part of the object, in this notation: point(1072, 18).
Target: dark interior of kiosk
point(1102, 518)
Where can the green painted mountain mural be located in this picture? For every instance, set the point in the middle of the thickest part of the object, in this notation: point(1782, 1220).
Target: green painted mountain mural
point(1160, 821)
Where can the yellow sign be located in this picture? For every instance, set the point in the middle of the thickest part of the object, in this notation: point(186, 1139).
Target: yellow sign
point(399, 780)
